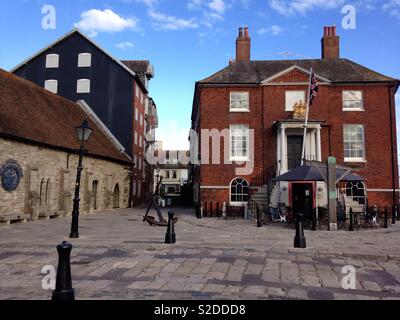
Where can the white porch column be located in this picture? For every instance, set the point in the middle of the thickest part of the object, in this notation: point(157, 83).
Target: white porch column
point(318, 144)
point(279, 152)
point(313, 149)
point(284, 165)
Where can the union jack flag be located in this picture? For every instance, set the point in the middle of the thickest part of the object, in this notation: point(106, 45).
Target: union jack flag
point(313, 87)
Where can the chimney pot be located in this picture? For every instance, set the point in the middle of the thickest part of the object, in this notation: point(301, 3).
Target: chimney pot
point(330, 43)
point(243, 45)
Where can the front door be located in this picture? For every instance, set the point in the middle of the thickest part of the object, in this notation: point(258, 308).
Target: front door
point(302, 198)
point(294, 149)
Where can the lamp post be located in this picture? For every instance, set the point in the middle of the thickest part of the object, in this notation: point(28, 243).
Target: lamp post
point(83, 132)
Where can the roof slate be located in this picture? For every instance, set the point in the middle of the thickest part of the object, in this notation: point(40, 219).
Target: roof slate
point(254, 72)
point(32, 113)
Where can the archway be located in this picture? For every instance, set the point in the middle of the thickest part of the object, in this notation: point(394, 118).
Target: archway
point(116, 197)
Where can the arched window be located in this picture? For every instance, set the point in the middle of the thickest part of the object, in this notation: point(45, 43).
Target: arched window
point(47, 194)
point(94, 193)
point(41, 190)
point(356, 191)
point(239, 191)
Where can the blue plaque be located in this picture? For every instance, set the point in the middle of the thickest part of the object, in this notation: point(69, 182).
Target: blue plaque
point(11, 174)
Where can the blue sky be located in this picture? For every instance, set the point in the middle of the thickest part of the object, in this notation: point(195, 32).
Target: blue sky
point(188, 40)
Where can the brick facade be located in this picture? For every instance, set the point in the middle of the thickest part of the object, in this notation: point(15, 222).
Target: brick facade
point(267, 106)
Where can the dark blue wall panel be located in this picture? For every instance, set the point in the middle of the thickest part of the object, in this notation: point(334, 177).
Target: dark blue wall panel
point(111, 95)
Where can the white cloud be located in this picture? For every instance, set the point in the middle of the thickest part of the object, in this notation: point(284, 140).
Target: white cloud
point(393, 7)
point(273, 30)
point(217, 6)
point(294, 7)
point(165, 22)
point(95, 21)
point(125, 45)
point(194, 4)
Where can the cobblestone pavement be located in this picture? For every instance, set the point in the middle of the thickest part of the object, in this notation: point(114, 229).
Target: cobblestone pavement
point(120, 257)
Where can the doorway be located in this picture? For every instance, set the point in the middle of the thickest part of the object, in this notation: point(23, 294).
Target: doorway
point(94, 194)
point(294, 151)
point(303, 199)
point(116, 197)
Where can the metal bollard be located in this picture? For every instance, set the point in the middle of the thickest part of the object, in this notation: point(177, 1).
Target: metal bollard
point(351, 227)
point(394, 214)
point(299, 240)
point(259, 224)
point(170, 236)
point(385, 223)
point(64, 290)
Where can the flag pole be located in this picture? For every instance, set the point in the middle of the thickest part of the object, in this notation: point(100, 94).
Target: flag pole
point(306, 120)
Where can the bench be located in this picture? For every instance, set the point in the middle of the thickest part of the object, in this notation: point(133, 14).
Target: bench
point(50, 215)
point(7, 219)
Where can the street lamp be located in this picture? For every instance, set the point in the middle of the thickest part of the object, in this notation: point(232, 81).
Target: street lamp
point(83, 132)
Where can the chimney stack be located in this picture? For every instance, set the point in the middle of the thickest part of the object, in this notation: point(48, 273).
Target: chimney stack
point(330, 44)
point(243, 45)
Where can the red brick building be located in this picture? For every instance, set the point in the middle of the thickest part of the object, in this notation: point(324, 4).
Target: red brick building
point(352, 119)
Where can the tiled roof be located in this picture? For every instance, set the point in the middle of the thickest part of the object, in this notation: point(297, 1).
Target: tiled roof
point(139, 66)
point(336, 70)
point(31, 113)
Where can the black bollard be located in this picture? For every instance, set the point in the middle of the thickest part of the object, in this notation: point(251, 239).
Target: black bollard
point(170, 236)
point(197, 208)
point(385, 223)
point(314, 220)
point(394, 214)
point(64, 290)
point(351, 227)
point(300, 240)
point(259, 224)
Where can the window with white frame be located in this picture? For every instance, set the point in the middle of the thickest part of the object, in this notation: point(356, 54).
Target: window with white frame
point(83, 86)
point(239, 101)
point(353, 101)
point(52, 61)
point(84, 60)
point(141, 97)
point(136, 138)
point(51, 85)
point(239, 191)
point(136, 114)
point(141, 119)
point(140, 141)
point(239, 142)
point(293, 97)
point(354, 143)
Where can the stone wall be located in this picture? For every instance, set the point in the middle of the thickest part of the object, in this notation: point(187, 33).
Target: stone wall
point(48, 183)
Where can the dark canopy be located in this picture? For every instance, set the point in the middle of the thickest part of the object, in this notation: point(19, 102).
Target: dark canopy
point(310, 173)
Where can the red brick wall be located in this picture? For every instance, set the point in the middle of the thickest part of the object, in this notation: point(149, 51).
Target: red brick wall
point(139, 151)
point(268, 103)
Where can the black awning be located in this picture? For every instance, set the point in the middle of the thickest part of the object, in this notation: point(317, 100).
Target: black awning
point(311, 173)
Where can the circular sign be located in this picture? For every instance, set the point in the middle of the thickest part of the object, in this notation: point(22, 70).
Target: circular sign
point(11, 174)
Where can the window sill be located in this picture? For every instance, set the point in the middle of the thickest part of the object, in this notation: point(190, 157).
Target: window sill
point(237, 204)
point(353, 110)
point(239, 110)
point(239, 159)
point(355, 161)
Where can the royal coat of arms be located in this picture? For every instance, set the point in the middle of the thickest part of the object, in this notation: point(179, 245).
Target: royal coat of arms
point(10, 174)
point(299, 111)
